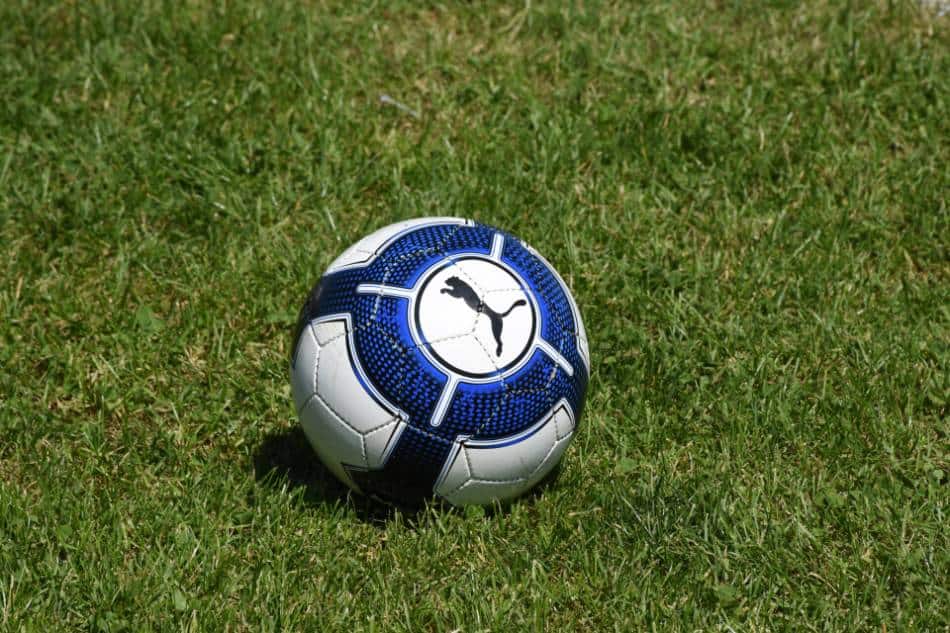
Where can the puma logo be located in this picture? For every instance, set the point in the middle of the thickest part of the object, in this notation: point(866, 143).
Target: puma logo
point(460, 289)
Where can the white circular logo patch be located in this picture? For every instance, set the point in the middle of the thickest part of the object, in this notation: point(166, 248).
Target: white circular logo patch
point(475, 316)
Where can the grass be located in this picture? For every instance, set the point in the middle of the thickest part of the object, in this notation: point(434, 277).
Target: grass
point(749, 201)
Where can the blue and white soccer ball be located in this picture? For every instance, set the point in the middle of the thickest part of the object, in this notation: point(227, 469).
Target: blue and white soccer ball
point(440, 357)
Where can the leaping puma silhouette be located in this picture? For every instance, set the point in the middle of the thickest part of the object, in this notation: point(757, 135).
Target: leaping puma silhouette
point(458, 288)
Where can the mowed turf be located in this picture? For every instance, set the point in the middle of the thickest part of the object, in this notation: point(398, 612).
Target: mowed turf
point(749, 201)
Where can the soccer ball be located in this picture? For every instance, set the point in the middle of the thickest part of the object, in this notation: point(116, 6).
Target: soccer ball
point(440, 357)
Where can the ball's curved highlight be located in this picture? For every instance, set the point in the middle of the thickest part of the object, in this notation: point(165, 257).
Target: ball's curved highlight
point(440, 357)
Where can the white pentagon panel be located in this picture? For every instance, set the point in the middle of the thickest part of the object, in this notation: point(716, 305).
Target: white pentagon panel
point(303, 375)
point(364, 250)
point(325, 332)
point(379, 442)
point(338, 385)
point(582, 344)
point(334, 441)
point(343, 423)
point(484, 471)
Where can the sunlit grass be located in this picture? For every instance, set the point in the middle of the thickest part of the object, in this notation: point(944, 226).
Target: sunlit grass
point(748, 200)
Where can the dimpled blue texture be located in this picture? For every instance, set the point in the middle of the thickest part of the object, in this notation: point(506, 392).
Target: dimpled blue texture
point(404, 377)
point(391, 362)
point(557, 320)
point(493, 410)
point(410, 255)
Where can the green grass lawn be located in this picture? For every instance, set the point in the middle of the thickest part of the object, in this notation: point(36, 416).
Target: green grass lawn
point(749, 200)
